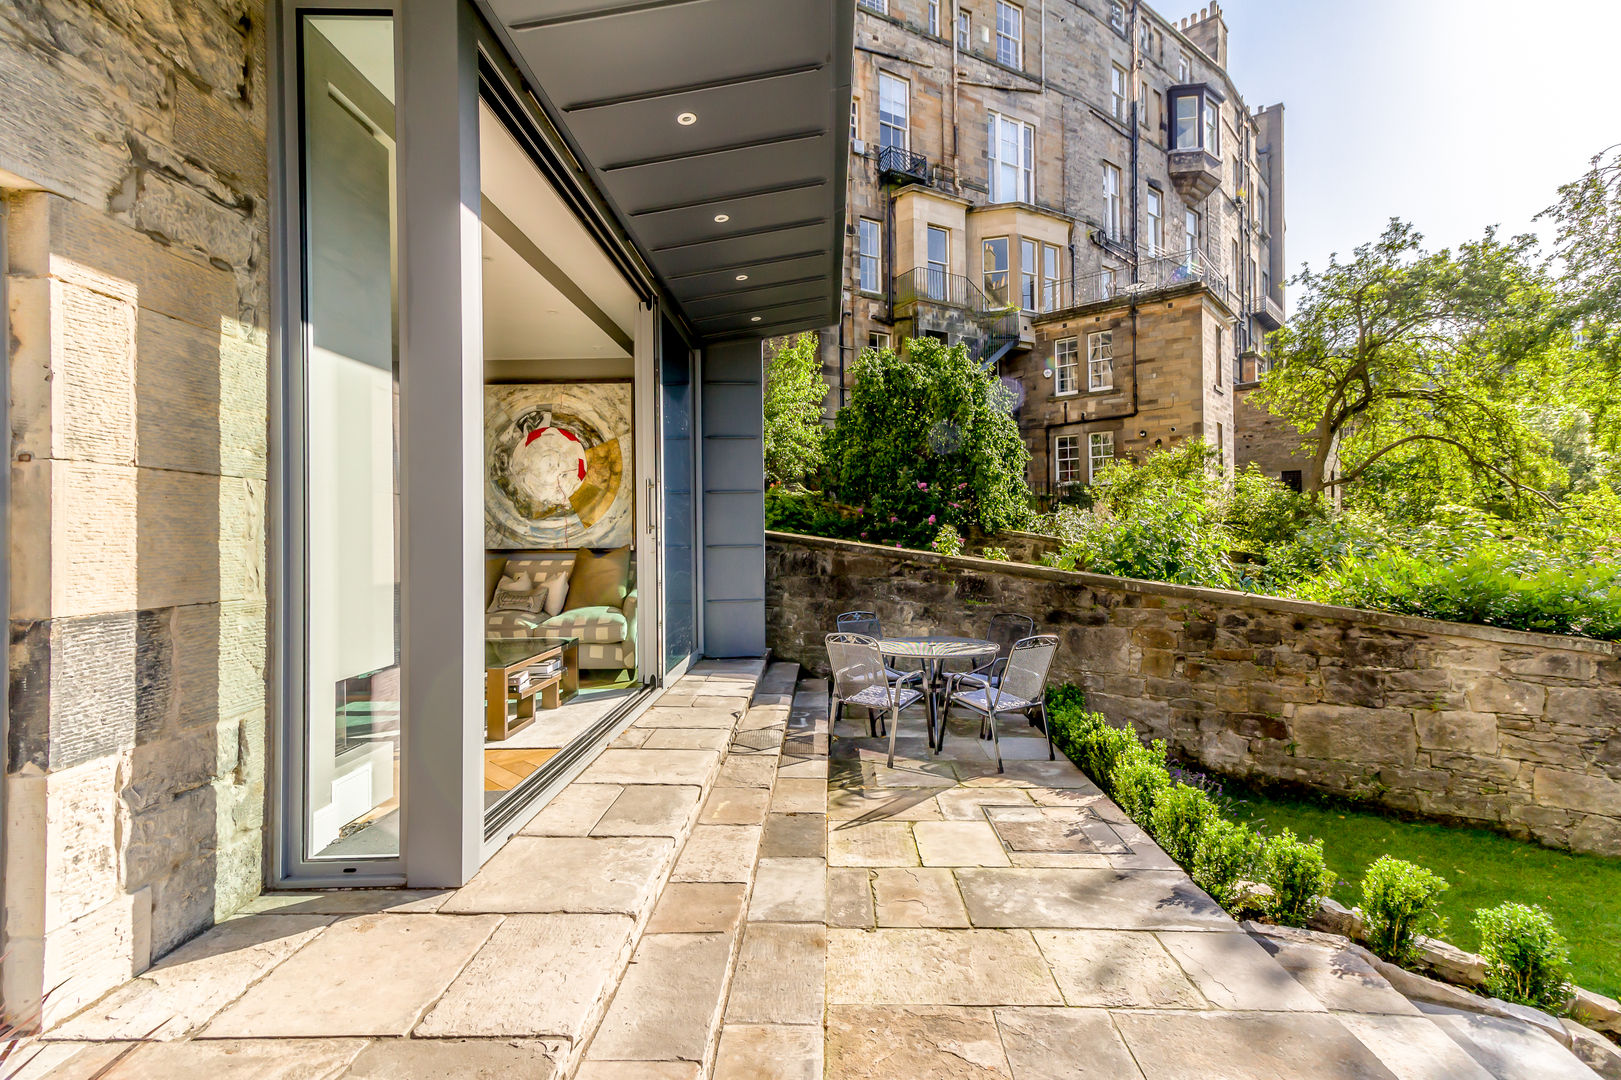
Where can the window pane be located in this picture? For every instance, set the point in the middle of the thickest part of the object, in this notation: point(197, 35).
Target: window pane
point(996, 269)
point(868, 268)
point(892, 111)
point(1028, 274)
point(1186, 135)
point(1212, 128)
point(351, 384)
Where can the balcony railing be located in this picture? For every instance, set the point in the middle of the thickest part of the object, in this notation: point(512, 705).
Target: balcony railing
point(1268, 312)
point(932, 286)
point(1153, 275)
point(899, 161)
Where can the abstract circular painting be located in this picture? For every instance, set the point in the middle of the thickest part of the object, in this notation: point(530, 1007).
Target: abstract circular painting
point(558, 465)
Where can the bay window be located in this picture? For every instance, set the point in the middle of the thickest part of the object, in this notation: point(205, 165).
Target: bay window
point(1029, 274)
point(995, 269)
point(1049, 277)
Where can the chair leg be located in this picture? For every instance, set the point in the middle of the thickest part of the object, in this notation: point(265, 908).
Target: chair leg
point(991, 719)
point(1047, 731)
point(894, 726)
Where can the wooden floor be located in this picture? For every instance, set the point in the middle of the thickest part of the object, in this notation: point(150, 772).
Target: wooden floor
point(505, 769)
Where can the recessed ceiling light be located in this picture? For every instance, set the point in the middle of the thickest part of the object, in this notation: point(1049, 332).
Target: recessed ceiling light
point(742, 277)
point(755, 319)
point(721, 219)
point(686, 119)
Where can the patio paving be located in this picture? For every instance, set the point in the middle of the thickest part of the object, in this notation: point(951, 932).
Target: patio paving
point(779, 904)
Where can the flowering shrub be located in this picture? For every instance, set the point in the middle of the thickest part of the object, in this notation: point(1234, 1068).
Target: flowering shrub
point(946, 541)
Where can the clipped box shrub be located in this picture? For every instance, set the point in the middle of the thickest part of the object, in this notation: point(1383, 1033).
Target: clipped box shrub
point(1527, 960)
point(1179, 813)
point(1225, 853)
point(1398, 903)
point(1298, 875)
point(1139, 776)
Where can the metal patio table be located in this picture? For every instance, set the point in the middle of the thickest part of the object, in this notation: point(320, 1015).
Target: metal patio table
point(932, 652)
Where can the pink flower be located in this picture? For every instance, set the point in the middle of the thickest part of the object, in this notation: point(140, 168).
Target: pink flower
point(897, 543)
point(931, 519)
point(962, 485)
point(863, 536)
point(893, 519)
point(922, 485)
point(956, 506)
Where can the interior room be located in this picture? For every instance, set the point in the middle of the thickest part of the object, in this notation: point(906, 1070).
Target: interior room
point(561, 596)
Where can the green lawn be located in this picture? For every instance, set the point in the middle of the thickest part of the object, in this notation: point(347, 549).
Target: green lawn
point(1581, 892)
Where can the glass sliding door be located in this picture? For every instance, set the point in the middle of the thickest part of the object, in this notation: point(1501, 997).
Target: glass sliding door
point(679, 467)
point(349, 422)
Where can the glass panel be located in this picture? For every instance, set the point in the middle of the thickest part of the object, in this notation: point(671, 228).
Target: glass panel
point(680, 586)
point(868, 267)
point(936, 277)
point(1028, 273)
point(892, 112)
point(1186, 135)
point(351, 379)
point(996, 270)
point(1212, 128)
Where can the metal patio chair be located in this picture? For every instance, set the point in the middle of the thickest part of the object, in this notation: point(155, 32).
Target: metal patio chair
point(859, 679)
point(1006, 628)
point(1022, 688)
point(868, 623)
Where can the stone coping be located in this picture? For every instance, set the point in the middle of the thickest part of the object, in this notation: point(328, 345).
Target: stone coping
point(1224, 597)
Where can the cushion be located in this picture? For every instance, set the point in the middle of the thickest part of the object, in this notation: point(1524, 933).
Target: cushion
point(598, 625)
point(599, 580)
point(513, 600)
point(553, 588)
point(513, 624)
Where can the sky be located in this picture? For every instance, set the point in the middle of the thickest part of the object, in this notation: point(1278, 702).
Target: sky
point(1451, 114)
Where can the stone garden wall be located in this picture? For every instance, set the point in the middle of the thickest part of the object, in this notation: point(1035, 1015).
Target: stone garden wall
point(133, 177)
point(1519, 732)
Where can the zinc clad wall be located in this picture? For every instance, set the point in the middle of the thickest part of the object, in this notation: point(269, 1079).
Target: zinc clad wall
point(733, 472)
point(137, 281)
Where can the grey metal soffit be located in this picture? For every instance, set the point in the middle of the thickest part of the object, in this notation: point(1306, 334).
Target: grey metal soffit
point(719, 131)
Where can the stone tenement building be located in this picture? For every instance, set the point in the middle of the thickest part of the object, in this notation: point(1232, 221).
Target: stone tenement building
point(1077, 191)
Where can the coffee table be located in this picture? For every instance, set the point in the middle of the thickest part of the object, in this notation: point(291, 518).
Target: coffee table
point(505, 657)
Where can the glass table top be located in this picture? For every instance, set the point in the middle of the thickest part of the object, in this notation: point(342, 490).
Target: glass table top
point(936, 647)
point(508, 652)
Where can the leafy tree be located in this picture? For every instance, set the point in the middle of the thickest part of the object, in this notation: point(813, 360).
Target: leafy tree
point(1398, 359)
point(928, 438)
point(794, 391)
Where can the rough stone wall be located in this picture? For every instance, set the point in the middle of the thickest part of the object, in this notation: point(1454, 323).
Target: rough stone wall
point(1063, 88)
point(133, 154)
point(1270, 442)
point(1518, 732)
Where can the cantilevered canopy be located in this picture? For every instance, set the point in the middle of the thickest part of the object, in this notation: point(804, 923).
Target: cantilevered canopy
point(718, 128)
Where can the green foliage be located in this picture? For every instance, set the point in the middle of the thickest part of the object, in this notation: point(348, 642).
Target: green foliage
point(1225, 853)
point(1138, 778)
point(947, 541)
point(809, 512)
point(794, 392)
point(1180, 815)
point(1527, 959)
point(928, 437)
point(1297, 874)
point(996, 554)
point(1399, 902)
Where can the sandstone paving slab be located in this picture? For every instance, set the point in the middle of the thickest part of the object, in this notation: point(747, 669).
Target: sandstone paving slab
point(758, 740)
point(667, 1004)
point(1234, 972)
point(795, 768)
point(748, 770)
point(65, 1060)
point(586, 875)
point(690, 716)
point(697, 907)
point(789, 890)
point(574, 811)
point(1338, 976)
point(1055, 829)
point(875, 774)
point(1014, 748)
point(937, 967)
point(917, 896)
point(1064, 1044)
point(883, 804)
point(1051, 774)
point(211, 1059)
point(1066, 859)
point(466, 1059)
point(794, 835)
point(1088, 899)
point(642, 766)
point(190, 985)
point(538, 975)
point(968, 804)
point(849, 897)
point(1246, 1046)
point(674, 738)
point(1508, 1049)
point(780, 975)
point(631, 737)
point(794, 796)
point(718, 853)
point(1125, 969)
point(343, 902)
point(769, 1052)
point(342, 983)
point(650, 810)
point(735, 806)
point(1413, 1048)
point(876, 843)
point(874, 1042)
point(640, 1070)
point(958, 843)
point(732, 702)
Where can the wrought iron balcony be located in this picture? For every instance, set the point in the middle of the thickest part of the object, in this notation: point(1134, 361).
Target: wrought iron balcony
point(901, 162)
point(1154, 275)
point(1268, 312)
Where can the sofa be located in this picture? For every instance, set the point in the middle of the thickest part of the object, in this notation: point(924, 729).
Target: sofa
point(607, 634)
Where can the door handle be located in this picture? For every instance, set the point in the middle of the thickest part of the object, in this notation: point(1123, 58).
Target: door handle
point(652, 506)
